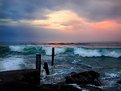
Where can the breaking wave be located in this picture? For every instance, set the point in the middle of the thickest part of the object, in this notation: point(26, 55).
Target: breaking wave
point(98, 52)
point(84, 52)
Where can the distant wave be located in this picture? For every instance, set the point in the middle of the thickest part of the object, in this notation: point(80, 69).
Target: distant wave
point(84, 52)
point(98, 52)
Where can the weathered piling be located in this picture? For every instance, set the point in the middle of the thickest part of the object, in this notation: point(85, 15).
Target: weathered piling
point(53, 53)
point(38, 63)
point(46, 68)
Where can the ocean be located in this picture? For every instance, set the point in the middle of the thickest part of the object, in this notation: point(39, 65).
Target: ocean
point(104, 58)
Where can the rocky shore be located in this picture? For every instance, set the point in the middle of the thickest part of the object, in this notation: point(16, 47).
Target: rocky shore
point(27, 80)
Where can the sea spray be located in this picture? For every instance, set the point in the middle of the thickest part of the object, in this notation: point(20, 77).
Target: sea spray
point(59, 50)
point(87, 52)
point(17, 48)
point(48, 50)
point(12, 63)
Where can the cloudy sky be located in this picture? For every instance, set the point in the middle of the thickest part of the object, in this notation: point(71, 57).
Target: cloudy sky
point(60, 20)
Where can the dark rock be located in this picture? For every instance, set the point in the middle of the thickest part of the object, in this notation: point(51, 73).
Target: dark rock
point(90, 88)
point(119, 82)
point(69, 88)
point(21, 86)
point(30, 76)
point(17, 86)
point(28, 80)
point(56, 87)
point(84, 78)
point(97, 82)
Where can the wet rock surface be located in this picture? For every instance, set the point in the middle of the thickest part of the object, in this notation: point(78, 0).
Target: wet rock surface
point(84, 78)
point(20, 86)
point(30, 76)
point(73, 82)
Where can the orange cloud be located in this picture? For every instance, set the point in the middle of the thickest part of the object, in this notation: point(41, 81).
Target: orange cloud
point(105, 25)
point(68, 20)
point(59, 20)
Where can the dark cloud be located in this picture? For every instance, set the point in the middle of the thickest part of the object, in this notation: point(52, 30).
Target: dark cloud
point(25, 9)
point(97, 10)
point(18, 9)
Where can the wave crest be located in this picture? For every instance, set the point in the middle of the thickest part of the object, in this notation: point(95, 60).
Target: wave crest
point(84, 52)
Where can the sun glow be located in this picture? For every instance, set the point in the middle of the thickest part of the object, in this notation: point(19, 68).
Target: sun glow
point(67, 20)
point(59, 20)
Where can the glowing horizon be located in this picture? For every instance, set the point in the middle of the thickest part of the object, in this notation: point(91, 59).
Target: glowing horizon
point(69, 22)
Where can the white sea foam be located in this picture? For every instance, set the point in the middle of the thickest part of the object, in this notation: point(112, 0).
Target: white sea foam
point(48, 50)
point(59, 50)
point(97, 52)
point(76, 86)
point(12, 63)
point(112, 75)
point(85, 90)
point(17, 48)
point(87, 52)
point(75, 61)
point(112, 54)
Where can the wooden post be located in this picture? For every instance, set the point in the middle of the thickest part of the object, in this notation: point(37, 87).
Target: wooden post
point(38, 63)
point(46, 68)
point(53, 56)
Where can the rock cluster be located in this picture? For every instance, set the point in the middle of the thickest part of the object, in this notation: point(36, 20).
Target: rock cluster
point(73, 82)
point(84, 79)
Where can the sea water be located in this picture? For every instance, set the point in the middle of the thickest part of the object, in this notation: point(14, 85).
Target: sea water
point(104, 58)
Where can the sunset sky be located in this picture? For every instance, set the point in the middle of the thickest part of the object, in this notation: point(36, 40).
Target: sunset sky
point(60, 20)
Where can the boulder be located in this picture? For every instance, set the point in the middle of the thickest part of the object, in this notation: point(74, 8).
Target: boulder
point(84, 78)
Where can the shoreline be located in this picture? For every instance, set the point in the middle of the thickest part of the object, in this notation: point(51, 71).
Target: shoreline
point(28, 79)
